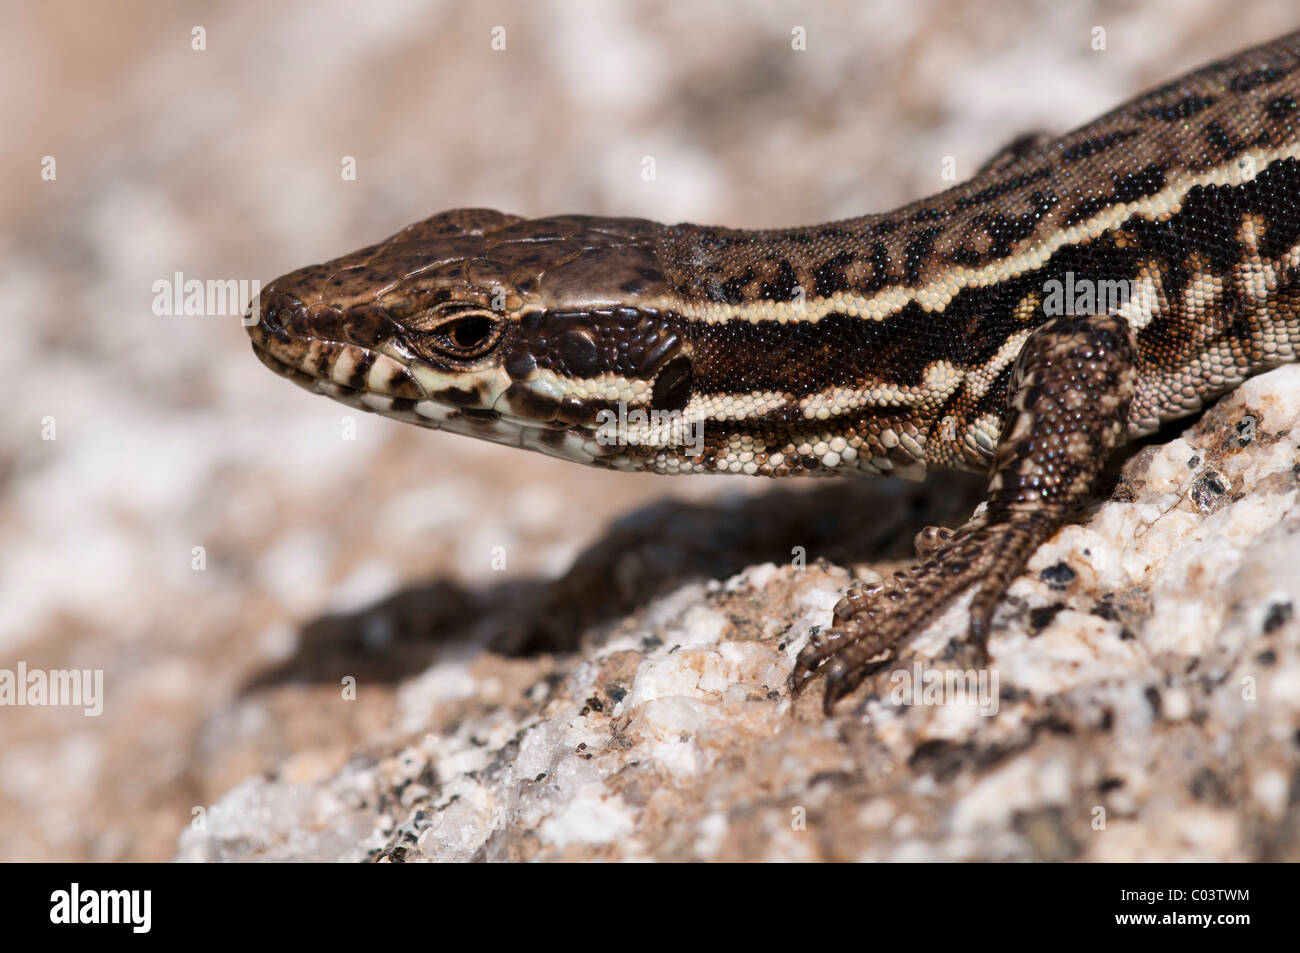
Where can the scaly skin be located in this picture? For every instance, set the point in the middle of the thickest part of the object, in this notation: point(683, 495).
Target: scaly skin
point(1076, 293)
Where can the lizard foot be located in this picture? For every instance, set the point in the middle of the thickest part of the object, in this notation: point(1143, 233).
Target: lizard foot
point(1066, 406)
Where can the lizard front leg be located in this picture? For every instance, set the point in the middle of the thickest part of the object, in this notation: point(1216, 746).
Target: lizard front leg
point(1067, 407)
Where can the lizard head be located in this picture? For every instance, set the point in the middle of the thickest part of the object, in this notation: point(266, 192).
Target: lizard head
point(527, 332)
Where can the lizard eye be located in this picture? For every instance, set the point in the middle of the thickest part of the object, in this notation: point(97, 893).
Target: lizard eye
point(469, 333)
point(465, 334)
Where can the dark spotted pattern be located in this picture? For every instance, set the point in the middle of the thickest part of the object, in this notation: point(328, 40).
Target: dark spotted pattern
point(801, 358)
point(628, 342)
point(1122, 156)
point(1097, 145)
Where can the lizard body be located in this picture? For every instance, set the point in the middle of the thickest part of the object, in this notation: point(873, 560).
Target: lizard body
point(1076, 293)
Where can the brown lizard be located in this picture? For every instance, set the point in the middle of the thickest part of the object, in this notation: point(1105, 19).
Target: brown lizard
point(1073, 295)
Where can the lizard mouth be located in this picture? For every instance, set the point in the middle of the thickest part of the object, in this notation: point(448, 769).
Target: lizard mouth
point(328, 346)
point(376, 376)
point(286, 369)
point(379, 380)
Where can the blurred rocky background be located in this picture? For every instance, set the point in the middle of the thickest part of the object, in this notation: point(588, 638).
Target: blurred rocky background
point(206, 535)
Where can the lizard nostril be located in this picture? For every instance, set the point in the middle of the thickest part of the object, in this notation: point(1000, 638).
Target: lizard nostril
point(278, 315)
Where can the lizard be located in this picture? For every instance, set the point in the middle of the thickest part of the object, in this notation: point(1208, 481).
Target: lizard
point(1075, 294)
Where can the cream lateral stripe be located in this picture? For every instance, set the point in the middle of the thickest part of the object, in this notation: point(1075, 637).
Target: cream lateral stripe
point(837, 401)
point(831, 402)
point(612, 387)
point(979, 379)
point(720, 405)
point(936, 295)
point(1139, 311)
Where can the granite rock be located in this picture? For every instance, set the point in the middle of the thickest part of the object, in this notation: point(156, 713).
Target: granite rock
point(1143, 703)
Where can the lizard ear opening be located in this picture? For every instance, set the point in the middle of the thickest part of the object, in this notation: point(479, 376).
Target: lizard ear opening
point(672, 390)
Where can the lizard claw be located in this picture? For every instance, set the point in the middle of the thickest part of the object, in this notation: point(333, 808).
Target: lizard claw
point(871, 622)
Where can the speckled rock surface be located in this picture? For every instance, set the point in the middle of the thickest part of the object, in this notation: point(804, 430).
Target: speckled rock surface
point(1143, 704)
